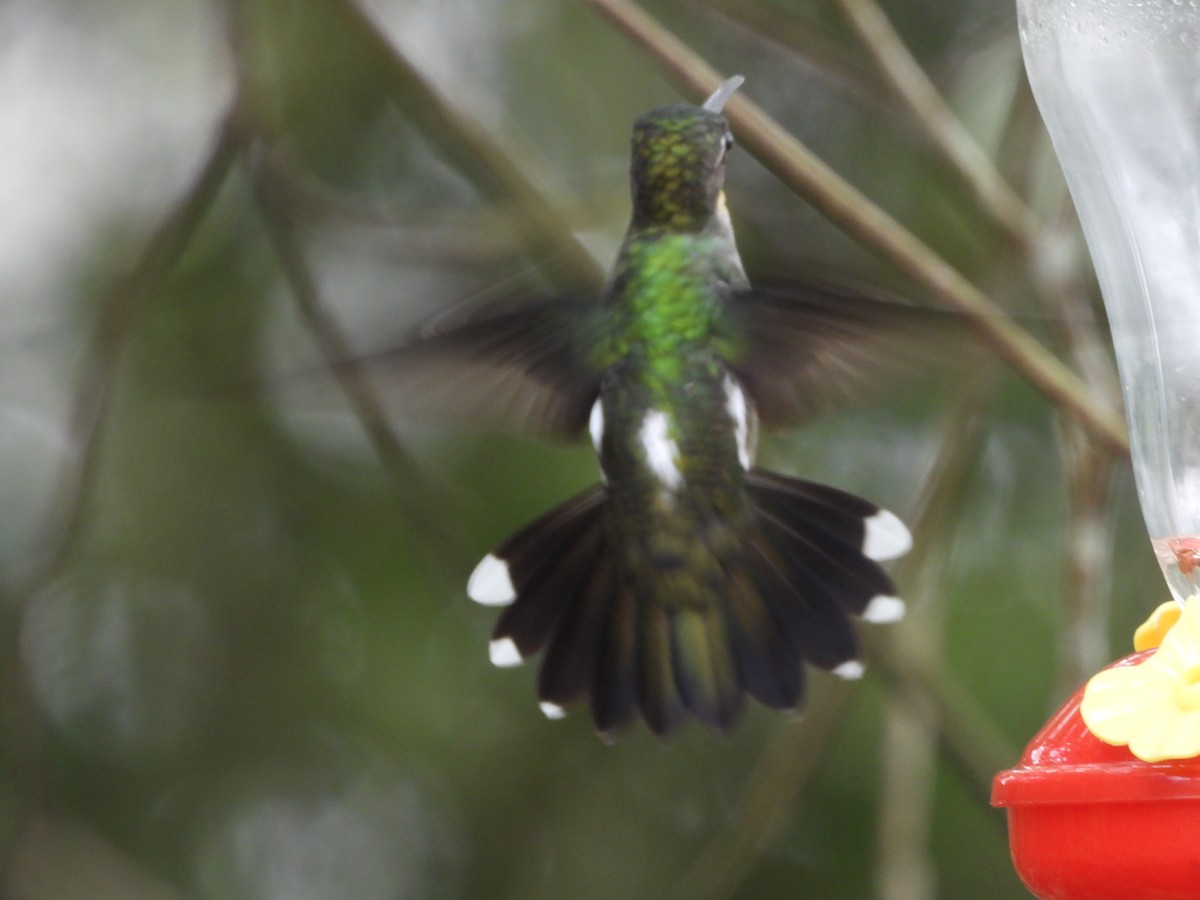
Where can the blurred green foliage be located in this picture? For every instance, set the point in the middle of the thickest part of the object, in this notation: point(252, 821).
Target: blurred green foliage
point(252, 670)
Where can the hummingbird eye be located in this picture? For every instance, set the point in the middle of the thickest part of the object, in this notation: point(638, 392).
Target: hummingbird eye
point(728, 141)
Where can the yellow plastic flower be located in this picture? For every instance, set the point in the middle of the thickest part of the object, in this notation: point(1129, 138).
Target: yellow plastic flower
point(1153, 707)
point(1150, 633)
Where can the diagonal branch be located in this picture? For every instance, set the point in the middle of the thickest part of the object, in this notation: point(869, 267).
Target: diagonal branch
point(338, 354)
point(811, 179)
point(829, 57)
point(274, 196)
point(477, 155)
point(98, 372)
point(23, 729)
point(913, 87)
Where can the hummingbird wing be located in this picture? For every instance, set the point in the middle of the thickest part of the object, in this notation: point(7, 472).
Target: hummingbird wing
point(522, 370)
point(805, 348)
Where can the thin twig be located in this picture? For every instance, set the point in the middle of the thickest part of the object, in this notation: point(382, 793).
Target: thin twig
point(971, 739)
point(912, 723)
point(340, 361)
point(904, 865)
point(1087, 562)
point(913, 87)
point(829, 58)
point(767, 802)
point(479, 156)
point(1090, 474)
point(810, 178)
point(1059, 269)
point(24, 730)
point(455, 239)
point(907, 655)
point(98, 373)
point(337, 352)
point(273, 194)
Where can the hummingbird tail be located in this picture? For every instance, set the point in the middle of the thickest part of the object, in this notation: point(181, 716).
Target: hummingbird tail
point(563, 594)
point(808, 561)
point(814, 555)
point(786, 589)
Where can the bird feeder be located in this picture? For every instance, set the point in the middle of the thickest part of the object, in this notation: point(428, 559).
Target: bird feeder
point(1105, 802)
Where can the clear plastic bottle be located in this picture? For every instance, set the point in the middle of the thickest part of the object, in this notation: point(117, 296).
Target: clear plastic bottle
point(1118, 84)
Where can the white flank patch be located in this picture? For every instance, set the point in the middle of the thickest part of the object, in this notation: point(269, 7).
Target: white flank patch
point(504, 653)
point(596, 424)
point(884, 609)
point(489, 584)
point(662, 453)
point(851, 670)
point(886, 537)
point(552, 710)
point(735, 402)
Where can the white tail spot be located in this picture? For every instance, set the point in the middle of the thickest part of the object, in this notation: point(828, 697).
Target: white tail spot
point(885, 537)
point(851, 670)
point(552, 710)
point(490, 583)
point(884, 609)
point(504, 653)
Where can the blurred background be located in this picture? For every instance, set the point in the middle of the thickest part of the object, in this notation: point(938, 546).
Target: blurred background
point(238, 657)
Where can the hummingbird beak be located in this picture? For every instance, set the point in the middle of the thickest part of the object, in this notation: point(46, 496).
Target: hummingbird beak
point(721, 95)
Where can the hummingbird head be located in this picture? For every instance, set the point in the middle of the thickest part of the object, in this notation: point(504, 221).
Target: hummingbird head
point(678, 167)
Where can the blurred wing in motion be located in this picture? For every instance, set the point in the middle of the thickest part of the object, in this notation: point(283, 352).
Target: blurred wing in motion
point(806, 348)
point(521, 370)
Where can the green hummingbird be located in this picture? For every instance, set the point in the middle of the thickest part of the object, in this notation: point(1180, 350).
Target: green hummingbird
point(688, 579)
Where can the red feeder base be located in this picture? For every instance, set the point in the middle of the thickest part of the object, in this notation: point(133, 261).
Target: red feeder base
point(1089, 821)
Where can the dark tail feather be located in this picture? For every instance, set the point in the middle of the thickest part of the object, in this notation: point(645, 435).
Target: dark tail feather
point(563, 594)
point(570, 659)
point(812, 617)
point(874, 532)
point(783, 593)
point(813, 552)
point(541, 567)
point(705, 665)
point(614, 689)
point(841, 570)
point(771, 669)
point(658, 693)
point(837, 538)
point(528, 624)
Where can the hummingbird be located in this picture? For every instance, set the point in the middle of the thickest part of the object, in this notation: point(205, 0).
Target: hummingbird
point(688, 579)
